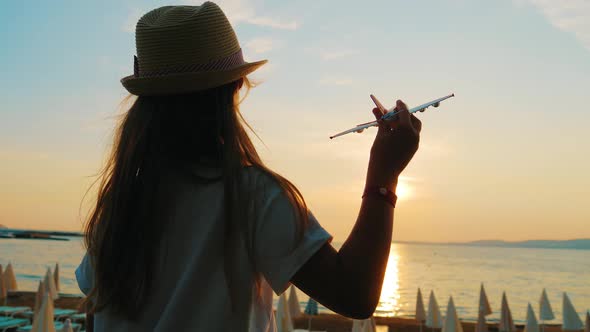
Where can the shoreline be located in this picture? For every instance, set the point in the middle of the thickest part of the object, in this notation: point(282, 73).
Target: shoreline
point(321, 322)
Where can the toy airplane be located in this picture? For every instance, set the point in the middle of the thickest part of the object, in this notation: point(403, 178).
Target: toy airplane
point(390, 114)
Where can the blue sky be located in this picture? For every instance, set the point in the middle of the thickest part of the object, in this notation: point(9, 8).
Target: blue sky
point(507, 158)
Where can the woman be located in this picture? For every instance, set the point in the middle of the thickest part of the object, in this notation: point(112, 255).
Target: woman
point(190, 231)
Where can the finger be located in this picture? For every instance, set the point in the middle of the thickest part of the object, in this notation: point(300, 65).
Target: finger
point(377, 113)
point(382, 128)
point(416, 123)
point(404, 115)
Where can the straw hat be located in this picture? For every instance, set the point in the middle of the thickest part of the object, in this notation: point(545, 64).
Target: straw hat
point(183, 49)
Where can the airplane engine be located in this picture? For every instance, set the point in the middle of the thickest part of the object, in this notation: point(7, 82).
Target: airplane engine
point(436, 105)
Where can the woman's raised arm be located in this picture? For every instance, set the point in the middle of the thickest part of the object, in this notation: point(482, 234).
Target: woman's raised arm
point(349, 281)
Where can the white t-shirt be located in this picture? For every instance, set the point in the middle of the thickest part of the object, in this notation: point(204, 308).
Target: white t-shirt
point(190, 291)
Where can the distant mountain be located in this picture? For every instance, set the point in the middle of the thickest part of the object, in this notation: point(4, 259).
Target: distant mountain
point(577, 244)
point(580, 244)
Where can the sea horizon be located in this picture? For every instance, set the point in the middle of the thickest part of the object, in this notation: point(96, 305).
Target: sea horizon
point(573, 244)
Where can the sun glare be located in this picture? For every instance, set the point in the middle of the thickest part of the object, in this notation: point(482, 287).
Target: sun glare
point(403, 190)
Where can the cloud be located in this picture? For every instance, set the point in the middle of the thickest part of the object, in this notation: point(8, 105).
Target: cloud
point(272, 23)
point(259, 45)
point(237, 11)
point(335, 81)
point(246, 11)
point(571, 16)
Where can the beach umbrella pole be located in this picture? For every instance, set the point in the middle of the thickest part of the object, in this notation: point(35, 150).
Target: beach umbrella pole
point(309, 323)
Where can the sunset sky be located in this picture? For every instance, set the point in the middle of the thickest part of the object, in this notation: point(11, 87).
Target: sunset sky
point(508, 158)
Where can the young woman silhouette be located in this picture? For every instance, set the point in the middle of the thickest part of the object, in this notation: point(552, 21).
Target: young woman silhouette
point(191, 231)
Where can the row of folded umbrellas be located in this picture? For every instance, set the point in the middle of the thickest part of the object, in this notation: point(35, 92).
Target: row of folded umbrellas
point(8, 280)
point(288, 308)
point(43, 317)
point(450, 323)
point(47, 292)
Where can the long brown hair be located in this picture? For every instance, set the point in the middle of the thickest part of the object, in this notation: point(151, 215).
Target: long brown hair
point(158, 132)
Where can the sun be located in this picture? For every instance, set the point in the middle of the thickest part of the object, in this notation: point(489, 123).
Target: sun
point(403, 190)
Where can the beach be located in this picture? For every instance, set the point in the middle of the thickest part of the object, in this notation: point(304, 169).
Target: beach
point(446, 270)
point(321, 322)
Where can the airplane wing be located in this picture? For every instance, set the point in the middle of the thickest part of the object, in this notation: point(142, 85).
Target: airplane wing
point(432, 103)
point(357, 128)
point(392, 115)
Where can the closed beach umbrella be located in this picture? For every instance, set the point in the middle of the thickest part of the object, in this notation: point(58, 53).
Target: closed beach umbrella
point(506, 322)
point(44, 320)
point(39, 298)
point(545, 310)
point(50, 285)
point(67, 326)
point(484, 304)
point(433, 317)
point(9, 278)
point(370, 325)
point(311, 309)
point(571, 319)
point(294, 307)
point(2, 287)
point(357, 325)
point(56, 276)
point(452, 323)
point(420, 311)
point(531, 320)
point(284, 322)
point(481, 326)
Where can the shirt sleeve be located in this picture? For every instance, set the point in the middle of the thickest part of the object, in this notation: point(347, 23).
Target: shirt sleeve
point(278, 251)
point(84, 275)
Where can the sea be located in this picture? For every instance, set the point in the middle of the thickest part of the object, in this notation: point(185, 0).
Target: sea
point(447, 270)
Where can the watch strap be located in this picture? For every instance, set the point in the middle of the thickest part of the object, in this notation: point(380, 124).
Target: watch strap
point(381, 193)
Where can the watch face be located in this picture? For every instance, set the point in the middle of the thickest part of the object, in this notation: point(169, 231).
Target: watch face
point(383, 191)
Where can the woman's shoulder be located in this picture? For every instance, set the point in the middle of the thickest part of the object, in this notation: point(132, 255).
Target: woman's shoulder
point(259, 179)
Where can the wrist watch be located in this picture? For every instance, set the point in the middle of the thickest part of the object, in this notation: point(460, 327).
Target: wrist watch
point(381, 193)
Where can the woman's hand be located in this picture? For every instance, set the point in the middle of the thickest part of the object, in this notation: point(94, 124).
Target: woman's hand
point(394, 146)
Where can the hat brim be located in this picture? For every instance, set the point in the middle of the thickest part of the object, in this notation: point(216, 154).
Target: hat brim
point(186, 82)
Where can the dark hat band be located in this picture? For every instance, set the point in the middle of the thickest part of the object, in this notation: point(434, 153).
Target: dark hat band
point(225, 63)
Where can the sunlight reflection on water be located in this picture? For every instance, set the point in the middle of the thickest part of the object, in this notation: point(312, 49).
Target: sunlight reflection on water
point(390, 297)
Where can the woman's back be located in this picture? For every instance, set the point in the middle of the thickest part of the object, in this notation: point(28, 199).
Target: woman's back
point(190, 289)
